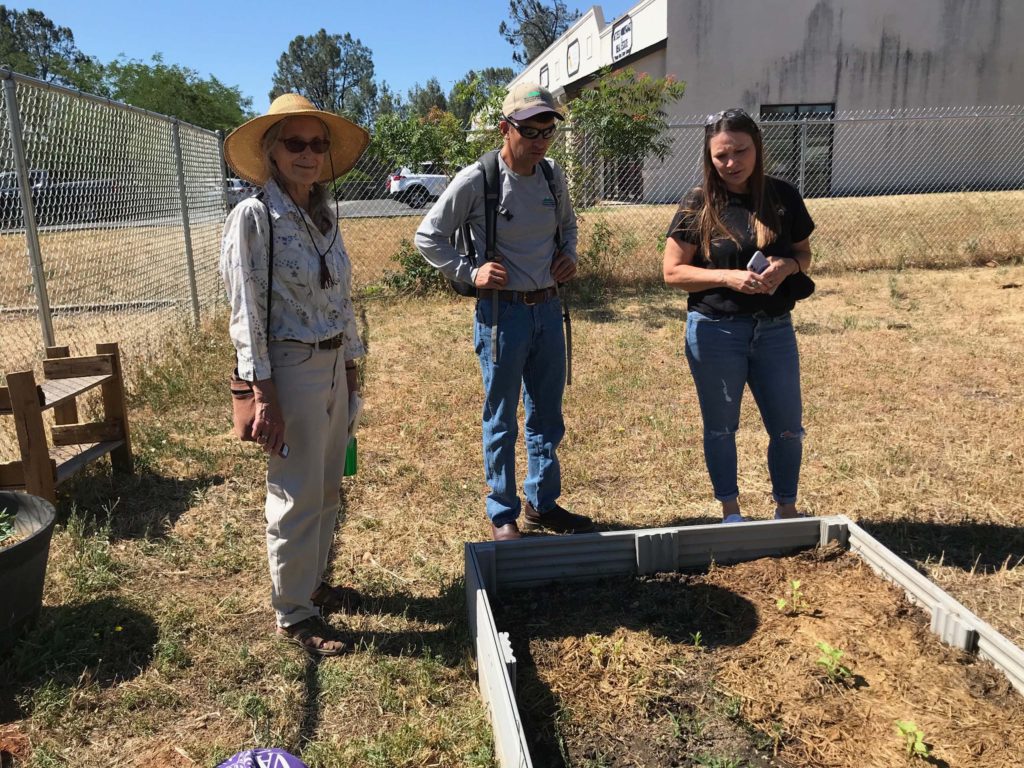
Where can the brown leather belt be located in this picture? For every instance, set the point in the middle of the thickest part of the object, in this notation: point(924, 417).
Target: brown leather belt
point(332, 343)
point(523, 297)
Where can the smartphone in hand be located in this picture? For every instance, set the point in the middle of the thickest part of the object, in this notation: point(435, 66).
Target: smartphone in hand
point(759, 263)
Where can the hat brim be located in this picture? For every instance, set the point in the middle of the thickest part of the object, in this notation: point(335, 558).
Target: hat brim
point(242, 146)
point(526, 114)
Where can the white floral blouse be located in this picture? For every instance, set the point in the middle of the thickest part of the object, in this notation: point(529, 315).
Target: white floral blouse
point(299, 309)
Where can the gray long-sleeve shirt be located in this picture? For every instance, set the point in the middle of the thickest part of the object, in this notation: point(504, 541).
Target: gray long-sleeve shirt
point(525, 235)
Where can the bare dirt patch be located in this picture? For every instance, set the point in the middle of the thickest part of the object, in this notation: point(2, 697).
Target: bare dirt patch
point(705, 669)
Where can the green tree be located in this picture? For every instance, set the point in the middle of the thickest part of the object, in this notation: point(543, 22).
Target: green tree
point(621, 119)
point(437, 136)
point(30, 43)
point(423, 100)
point(335, 72)
point(535, 25)
point(177, 91)
point(475, 89)
point(388, 102)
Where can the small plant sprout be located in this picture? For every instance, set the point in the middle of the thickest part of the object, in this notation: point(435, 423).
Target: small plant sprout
point(838, 673)
point(697, 639)
point(913, 737)
point(6, 525)
point(794, 603)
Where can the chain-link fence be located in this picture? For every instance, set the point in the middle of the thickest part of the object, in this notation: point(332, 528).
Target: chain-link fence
point(936, 187)
point(110, 216)
point(110, 221)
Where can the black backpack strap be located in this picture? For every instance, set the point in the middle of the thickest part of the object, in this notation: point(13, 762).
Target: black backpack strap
point(549, 176)
point(492, 195)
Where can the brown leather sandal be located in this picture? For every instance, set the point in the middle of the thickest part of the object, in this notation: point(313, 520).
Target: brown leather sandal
point(315, 636)
point(336, 599)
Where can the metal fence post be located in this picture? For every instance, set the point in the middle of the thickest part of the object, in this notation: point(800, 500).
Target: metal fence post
point(35, 253)
point(190, 261)
point(803, 155)
point(223, 169)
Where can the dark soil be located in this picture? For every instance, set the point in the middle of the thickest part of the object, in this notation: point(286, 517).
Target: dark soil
point(706, 669)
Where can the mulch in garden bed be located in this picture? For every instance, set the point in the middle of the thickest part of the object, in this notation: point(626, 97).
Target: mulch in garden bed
point(709, 669)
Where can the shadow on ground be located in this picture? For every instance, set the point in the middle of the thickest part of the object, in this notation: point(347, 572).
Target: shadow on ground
point(104, 641)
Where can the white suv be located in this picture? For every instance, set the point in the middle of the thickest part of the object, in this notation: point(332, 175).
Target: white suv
point(416, 189)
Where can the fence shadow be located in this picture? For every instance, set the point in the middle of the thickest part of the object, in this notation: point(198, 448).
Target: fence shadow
point(968, 546)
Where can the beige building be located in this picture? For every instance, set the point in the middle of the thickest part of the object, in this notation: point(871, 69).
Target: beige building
point(801, 60)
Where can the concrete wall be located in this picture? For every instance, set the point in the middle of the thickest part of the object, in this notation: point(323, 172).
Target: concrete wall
point(858, 54)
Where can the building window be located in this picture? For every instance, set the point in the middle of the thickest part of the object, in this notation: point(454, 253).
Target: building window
point(544, 76)
point(798, 145)
point(572, 58)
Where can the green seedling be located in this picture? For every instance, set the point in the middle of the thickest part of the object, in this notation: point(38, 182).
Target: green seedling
point(913, 737)
point(6, 525)
point(795, 603)
point(838, 673)
point(697, 639)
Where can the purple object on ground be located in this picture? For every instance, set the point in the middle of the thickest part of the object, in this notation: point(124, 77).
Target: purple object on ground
point(263, 758)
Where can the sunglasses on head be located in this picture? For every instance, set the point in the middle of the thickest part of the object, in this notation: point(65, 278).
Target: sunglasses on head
point(529, 132)
point(317, 145)
point(726, 114)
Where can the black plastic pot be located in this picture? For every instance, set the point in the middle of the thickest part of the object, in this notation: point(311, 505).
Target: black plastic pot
point(23, 564)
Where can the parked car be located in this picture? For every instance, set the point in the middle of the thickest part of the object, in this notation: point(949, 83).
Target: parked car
point(417, 189)
point(238, 190)
point(59, 201)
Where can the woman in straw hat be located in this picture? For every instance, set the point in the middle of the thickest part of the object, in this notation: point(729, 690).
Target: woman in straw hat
point(284, 247)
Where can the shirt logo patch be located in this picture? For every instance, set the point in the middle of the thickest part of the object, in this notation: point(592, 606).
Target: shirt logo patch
point(549, 202)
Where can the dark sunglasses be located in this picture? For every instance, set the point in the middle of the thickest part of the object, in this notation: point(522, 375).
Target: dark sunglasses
point(727, 114)
point(529, 132)
point(317, 145)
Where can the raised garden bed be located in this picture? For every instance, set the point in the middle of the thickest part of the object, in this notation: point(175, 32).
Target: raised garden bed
point(705, 667)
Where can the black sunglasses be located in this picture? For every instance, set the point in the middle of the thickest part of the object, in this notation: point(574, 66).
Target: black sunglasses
point(317, 145)
point(529, 132)
point(725, 114)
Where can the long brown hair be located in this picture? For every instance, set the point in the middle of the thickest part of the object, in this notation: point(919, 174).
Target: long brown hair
point(706, 208)
point(319, 196)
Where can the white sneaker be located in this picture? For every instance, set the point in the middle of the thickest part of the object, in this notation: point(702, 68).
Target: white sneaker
point(735, 517)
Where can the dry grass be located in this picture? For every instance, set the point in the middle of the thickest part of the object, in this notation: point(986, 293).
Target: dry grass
point(934, 231)
point(156, 631)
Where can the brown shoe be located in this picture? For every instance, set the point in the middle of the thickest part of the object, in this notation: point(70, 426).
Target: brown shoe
point(506, 532)
point(335, 599)
point(555, 520)
point(315, 636)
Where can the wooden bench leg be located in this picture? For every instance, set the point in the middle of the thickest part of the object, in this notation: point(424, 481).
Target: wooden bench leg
point(40, 479)
point(114, 407)
point(65, 413)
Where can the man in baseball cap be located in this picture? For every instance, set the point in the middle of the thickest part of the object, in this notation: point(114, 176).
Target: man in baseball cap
point(526, 100)
point(518, 335)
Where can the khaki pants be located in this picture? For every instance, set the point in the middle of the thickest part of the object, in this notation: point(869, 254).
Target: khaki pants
point(303, 490)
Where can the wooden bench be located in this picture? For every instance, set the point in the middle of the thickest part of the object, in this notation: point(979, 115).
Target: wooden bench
point(45, 464)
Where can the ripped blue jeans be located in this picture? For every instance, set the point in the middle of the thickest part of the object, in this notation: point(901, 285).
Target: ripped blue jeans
point(760, 351)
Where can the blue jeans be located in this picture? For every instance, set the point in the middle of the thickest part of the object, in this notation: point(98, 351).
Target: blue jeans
point(531, 357)
point(759, 351)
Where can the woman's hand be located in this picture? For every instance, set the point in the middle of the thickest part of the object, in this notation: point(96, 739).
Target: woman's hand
point(268, 428)
point(744, 281)
point(779, 268)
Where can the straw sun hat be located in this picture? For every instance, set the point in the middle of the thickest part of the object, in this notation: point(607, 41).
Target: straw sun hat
point(242, 146)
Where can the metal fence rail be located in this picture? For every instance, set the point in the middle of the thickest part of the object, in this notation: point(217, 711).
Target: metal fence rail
point(110, 220)
point(110, 216)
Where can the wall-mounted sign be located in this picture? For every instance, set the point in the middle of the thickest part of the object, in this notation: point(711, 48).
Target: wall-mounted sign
point(572, 58)
point(544, 76)
point(622, 38)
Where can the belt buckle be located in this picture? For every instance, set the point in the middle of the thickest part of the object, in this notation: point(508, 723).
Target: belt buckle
point(526, 299)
